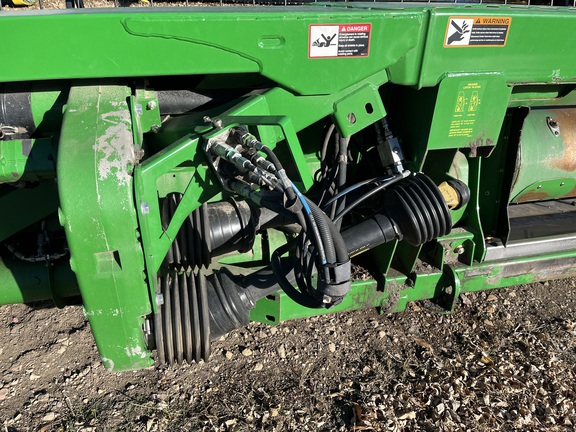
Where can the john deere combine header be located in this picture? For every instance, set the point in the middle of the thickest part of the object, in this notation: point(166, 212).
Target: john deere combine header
point(181, 172)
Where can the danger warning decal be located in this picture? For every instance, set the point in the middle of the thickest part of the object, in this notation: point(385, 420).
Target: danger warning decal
point(339, 40)
point(477, 31)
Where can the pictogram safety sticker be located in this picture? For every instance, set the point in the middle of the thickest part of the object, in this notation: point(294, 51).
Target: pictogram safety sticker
point(477, 31)
point(339, 40)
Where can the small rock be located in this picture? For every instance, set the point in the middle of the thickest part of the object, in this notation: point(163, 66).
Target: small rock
point(43, 397)
point(230, 423)
point(408, 416)
point(381, 334)
point(258, 367)
point(229, 355)
point(440, 408)
point(331, 347)
point(274, 412)
point(3, 394)
point(49, 417)
point(246, 352)
point(281, 351)
point(34, 377)
point(149, 424)
point(492, 298)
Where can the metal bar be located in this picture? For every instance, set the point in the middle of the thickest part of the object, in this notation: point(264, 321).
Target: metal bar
point(532, 247)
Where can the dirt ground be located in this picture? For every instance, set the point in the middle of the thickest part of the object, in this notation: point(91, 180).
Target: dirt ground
point(504, 360)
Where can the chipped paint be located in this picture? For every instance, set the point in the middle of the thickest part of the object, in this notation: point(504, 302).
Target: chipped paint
point(136, 351)
point(108, 364)
point(115, 149)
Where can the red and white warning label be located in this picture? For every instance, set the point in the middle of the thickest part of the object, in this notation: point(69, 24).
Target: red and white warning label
point(477, 31)
point(339, 40)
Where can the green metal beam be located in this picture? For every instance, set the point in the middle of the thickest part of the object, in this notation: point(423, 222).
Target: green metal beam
point(99, 219)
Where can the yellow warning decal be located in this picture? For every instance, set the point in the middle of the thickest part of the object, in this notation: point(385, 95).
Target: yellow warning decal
point(477, 31)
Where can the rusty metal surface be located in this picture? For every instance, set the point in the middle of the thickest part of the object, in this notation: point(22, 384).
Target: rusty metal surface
point(566, 120)
point(546, 160)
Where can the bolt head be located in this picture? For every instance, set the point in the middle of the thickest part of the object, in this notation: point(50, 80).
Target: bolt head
point(159, 299)
point(151, 105)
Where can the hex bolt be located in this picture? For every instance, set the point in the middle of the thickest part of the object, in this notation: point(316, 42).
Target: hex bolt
point(159, 299)
point(217, 123)
point(448, 290)
point(144, 208)
point(151, 105)
point(459, 250)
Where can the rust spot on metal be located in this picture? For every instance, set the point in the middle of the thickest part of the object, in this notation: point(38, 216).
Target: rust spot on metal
point(474, 146)
point(570, 194)
point(542, 270)
point(532, 196)
point(566, 120)
point(482, 147)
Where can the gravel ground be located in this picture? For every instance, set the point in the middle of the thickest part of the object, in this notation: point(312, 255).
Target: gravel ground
point(504, 360)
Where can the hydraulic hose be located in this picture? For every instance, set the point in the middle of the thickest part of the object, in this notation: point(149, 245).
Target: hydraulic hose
point(342, 167)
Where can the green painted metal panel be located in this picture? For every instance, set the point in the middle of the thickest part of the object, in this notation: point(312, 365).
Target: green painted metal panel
point(469, 112)
point(271, 41)
point(526, 57)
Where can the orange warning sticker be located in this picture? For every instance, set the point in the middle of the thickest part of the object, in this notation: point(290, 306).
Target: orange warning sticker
point(477, 31)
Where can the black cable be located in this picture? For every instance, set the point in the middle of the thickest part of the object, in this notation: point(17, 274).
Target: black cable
point(323, 223)
point(356, 186)
point(370, 193)
point(299, 297)
point(342, 168)
point(324, 151)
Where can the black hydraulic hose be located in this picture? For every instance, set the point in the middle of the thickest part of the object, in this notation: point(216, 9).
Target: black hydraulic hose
point(339, 245)
point(324, 151)
point(311, 221)
point(342, 167)
point(324, 224)
point(246, 136)
point(367, 195)
point(276, 263)
point(354, 187)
